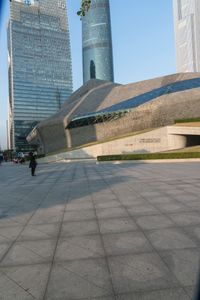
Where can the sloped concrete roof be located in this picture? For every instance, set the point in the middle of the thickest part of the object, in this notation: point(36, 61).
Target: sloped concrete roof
point(97, 95)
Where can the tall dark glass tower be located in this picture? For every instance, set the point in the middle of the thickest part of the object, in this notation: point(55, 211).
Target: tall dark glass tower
point(40, 75)
point(97, 42)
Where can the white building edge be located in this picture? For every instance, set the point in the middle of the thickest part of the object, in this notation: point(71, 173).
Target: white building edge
point(187, 35)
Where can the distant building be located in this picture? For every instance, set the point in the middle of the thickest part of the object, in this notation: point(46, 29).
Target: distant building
point(187, 34)
point(40, 75)
point(97, 42)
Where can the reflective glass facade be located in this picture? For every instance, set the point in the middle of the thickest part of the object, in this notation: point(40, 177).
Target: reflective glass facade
point(40, 76)
point(120, 109)
point(97, 42)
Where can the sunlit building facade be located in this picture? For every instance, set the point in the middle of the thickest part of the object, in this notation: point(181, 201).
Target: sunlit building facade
point(97, 42)
point(40, 73)
point(187, 35)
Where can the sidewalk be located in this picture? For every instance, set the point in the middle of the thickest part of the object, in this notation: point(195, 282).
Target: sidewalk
point(99, 231)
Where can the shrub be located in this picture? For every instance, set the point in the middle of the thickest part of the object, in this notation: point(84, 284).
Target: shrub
point(187, 120)
point(145, 156)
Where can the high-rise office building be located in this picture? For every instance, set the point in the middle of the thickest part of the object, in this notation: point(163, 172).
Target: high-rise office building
point(40, 75)
point(187, 35)
point(97, 42)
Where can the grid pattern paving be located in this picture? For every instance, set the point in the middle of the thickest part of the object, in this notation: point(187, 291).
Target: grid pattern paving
point(99, 231)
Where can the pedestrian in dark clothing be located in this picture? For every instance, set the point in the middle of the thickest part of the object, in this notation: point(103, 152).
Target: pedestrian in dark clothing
point(32, 164)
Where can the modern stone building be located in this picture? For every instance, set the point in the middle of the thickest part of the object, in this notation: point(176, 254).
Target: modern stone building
point(101, 111)
point(40, 76)
point(187, 35)
point(97, 42)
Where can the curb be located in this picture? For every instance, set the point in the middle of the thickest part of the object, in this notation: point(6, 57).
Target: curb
point(153, 161)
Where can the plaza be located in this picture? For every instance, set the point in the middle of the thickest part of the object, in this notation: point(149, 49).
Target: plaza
point(88, 230)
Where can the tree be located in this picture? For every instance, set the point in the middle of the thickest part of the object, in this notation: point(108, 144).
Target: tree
point(85, 6)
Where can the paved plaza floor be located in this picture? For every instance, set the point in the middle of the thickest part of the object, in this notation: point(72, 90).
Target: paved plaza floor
point(99, 231)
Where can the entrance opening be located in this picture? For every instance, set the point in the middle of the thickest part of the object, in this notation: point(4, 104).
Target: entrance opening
point(192, 140)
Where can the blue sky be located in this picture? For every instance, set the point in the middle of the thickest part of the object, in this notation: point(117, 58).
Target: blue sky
point(143, 44)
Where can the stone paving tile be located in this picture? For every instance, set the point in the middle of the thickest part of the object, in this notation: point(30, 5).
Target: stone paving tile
point(171, 238)
point(112, 212)
point(149, 194)
point(39, 232)
point(80, 215)
point(194, 233)
point(194, 205)
point(184, 264)
point(31, 278)
point(154, 222)
point(102, 198)
point(15, 220)
point(191, 291)
point(79, 247)
point(126, 242)
point(100, 298)
point(133, 201)
point(4, 248)
point(172, 207)
point(185, 219)
point(79, 228)
point(143, 210)
point(140, 272)
point(167, 294)
point(81, 205)
point(9, 233)
point(108, 204)
point(175, 192)
point(45, 217)
point(161, 200)
point(29, 252)
point(116, 225)
point(80, 200)
point(186, 198)
point(10, 290)
point(79, 279)
point(94, 270)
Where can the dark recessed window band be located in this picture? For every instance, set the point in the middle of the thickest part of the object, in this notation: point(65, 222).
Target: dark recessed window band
point(120, 109)
point(97, 45)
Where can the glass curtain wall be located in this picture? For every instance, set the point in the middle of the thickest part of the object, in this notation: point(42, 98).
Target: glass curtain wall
point(40, 75)
point(97, 42)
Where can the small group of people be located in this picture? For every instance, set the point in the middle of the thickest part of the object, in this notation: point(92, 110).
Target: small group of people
point(33, 163)
point(21, 159)
point(18, 160)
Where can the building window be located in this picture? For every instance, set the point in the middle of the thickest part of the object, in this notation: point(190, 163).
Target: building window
point(92, 70)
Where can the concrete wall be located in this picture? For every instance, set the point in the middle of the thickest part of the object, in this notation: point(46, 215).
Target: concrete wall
point(160, 112)
point(53, 136)
point(157, 140)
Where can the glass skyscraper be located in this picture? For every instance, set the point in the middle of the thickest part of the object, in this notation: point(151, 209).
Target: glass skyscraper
point(97, 42)
point(40, 72)
point(187, 35)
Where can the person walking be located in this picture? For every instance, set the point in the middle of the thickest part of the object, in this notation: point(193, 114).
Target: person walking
point(1, 158)
point(33, 163)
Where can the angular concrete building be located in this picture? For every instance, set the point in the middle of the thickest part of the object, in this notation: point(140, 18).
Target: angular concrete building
point(101, 111)
point(97, 42)
point(187, 35)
